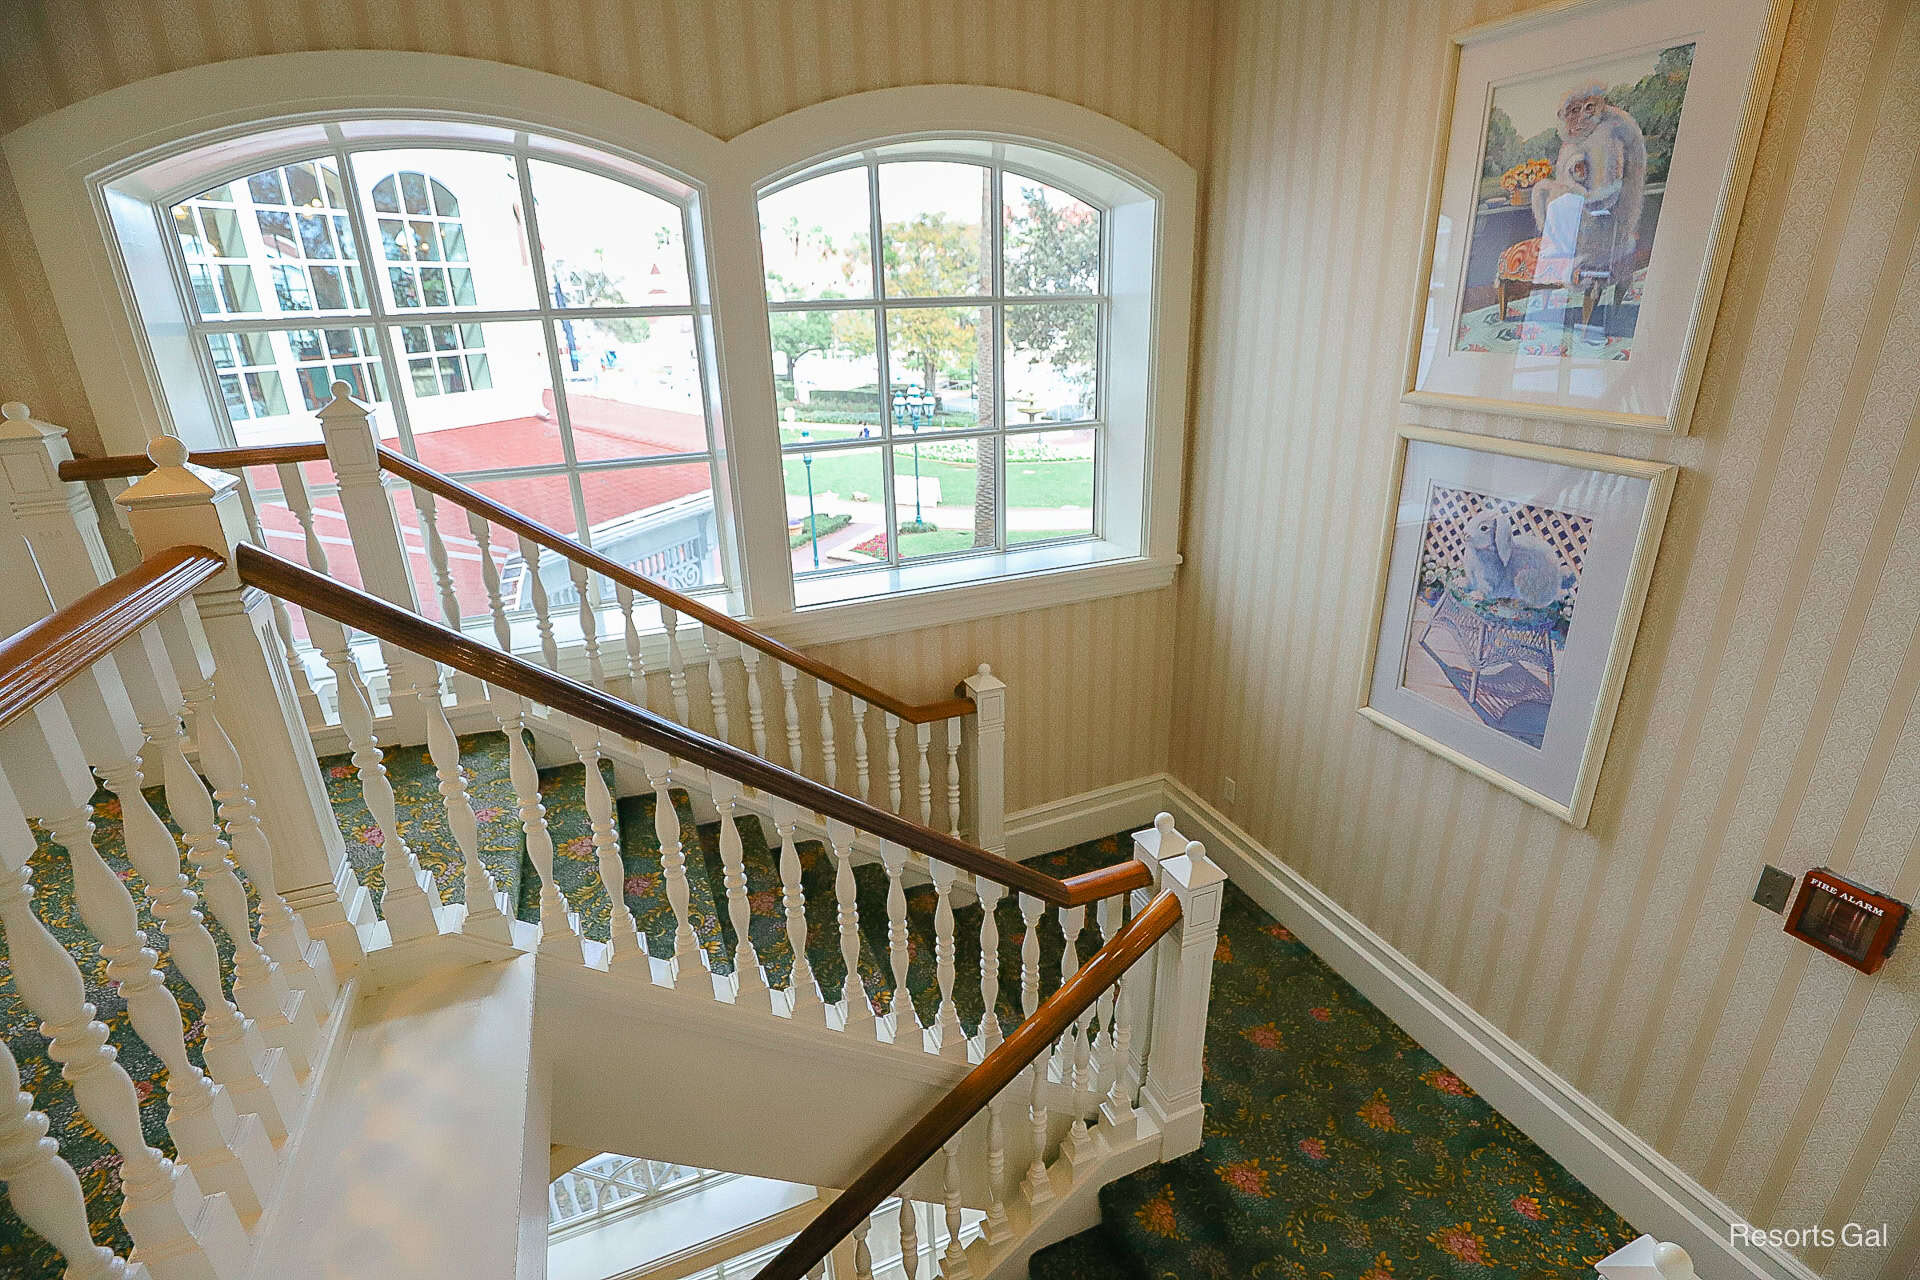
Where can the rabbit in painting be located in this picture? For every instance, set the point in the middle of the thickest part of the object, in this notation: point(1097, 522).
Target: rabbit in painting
point(1504, 565)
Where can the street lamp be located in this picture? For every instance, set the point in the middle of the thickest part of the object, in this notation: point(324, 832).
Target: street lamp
point(813, 522)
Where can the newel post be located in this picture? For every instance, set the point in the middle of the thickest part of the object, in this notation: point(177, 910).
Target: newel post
point(45, 520)
point(178, 504)
point(984, 737)
point(1182, 983)
point(353, 450)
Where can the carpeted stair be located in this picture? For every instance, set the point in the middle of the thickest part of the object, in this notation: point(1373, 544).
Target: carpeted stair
point(1412, 1176)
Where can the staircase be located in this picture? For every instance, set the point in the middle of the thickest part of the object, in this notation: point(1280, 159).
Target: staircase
point(597, 867)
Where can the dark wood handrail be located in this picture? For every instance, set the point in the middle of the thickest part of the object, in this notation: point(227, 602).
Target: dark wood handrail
point(121, 465)
point(979, 1087)
point(38, 659)
point(299, 585)
point(558, 543)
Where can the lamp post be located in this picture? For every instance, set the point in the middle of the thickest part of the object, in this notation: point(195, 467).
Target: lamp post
point(813, 523)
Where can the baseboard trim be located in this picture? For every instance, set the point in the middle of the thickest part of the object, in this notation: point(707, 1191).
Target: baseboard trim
point(1642, 1185)
point(1087, 816)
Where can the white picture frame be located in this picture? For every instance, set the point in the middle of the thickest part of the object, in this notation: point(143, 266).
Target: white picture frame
point(1616, 302)
point(1505, 652)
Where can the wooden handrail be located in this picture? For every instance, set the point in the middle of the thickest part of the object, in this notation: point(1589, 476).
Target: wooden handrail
point(299, 585)
point(122, 465)
point(478, 503)
point(979, 1087)
point(38, 659)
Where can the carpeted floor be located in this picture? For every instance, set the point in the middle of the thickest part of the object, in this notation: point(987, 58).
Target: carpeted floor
point(1336, 1147)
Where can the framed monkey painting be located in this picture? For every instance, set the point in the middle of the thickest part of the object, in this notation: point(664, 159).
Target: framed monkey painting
point(1587, 181)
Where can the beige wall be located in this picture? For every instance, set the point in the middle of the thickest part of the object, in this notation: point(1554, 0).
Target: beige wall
point(724, 65)
point(1770, 711)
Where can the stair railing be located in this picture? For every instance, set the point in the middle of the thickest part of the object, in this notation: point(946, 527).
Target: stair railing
point(1026, 1051)
point(99, 689)
point(939, 762)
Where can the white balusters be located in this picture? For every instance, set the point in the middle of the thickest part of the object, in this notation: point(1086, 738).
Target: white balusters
point(465, 687)
point(626, 949)
point(180, 1230)
point(636, 663)
point(857, 1009)
point(155, 688)
point(484, 917)
point(43, 1187)
point(906, 1023)
point(922, 739)
point(490, 581)
point(990, 892)
point(691, 974)
point(998, 1227)
point(1036, 1186)
point(559, 934)
point(48, 766)
point(1078, 1069)
point(405, 903)
point(953, 1041)
point(716, 685)
point(953, 776)
point(862, 1256)
point(530, 552)
point(259, 988)
point(791, 709)
point(676, 666)
point(802, 986)
point(750, 982)
point(589, 622)
point(756, 713)
point(893, 762)
point(909, 1238)
point(953, 1262)
point(828, 765)
point(860, 769)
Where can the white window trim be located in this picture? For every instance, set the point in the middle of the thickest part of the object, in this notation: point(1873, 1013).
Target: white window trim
point(60, 160)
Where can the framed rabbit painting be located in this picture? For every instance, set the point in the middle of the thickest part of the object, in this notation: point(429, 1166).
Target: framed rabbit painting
point(1589, 174)
point(1510, 584)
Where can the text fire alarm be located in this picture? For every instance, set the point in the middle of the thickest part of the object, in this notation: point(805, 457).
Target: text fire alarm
point(1847, 921)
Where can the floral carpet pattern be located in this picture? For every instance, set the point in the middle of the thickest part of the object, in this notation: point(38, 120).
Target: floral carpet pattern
point(1335, 1147)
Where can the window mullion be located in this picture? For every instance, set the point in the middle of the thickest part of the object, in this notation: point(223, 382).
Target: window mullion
point(998, 362)
point(882, 364)
point(371, 274)
point(563, 420)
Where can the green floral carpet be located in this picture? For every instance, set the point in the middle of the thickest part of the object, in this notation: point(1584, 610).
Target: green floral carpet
point(1336, 1147)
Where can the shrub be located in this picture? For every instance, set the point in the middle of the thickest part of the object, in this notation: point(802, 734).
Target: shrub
point(822, 525)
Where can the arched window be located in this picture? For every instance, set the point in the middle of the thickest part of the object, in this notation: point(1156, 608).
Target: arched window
point(941, 397)
point(520, 315)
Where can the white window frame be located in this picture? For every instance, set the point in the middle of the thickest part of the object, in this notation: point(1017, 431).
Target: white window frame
point(102, 276)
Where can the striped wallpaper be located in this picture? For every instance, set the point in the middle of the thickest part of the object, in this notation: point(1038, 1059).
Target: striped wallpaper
point(724, 65)
point(1769, 715)
point(1769, 712)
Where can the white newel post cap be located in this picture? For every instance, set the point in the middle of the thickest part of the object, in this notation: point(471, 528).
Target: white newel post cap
point(178, 503)
point(346, 425)
point(31, 452)
point(1647, 1259)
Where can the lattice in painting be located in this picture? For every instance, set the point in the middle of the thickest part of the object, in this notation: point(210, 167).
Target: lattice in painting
point(1449, 510)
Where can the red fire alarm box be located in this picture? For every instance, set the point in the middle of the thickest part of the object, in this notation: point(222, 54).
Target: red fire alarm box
point(1847, 921)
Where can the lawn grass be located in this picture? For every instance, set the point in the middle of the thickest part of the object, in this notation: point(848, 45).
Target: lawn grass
point(1029, 484)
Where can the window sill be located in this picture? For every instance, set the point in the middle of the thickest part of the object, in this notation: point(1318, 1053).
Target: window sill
point(885, 601)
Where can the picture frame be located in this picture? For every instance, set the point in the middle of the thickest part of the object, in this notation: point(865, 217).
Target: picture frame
point(1507, 596)
point(1546, 287)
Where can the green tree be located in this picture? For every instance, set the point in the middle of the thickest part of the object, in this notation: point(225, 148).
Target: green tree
point(801, 333)
point(1053, 250)
point(1654, 103)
